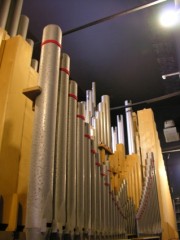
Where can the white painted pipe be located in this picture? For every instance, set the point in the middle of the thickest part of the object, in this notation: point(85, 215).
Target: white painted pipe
point(23, 26)
point(61, 143)
point(4, 11)
point(15, 18)
point(40, 193)
point(80, 166)
point(93, 98)
point(130, 128)
point(71, 158)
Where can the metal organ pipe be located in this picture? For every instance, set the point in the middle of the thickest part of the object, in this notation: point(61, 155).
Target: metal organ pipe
point(61, 143)
point(15, 18)
point(87, 165)
point(130, 128)
point(34, 64)
point(4, 11)
point(80, 166)
point(71, 159)
point(39, 200)
point(23, 26)
point(106, 101)
point(120, 129)
point(31, 42)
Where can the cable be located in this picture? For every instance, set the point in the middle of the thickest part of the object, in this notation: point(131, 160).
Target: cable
point(152, 100)
point(131, 10)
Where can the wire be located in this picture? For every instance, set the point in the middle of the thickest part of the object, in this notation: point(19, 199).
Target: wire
point(152, 100)
point(131, 10)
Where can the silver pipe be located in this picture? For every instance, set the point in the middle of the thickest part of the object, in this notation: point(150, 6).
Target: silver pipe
point(93, 183)
point(71, 159)
point(102, 122)
point(31, 42)
point(130, 128)
point(80, 166)
point(61, 143)
point(15, 18)
point(120, 127)
point(23, 26)
point(88, 105)
point(106, 100)
point(4, 11)
point(39, 199)
point(34, 64)
point(94, 97)
point(87, 173)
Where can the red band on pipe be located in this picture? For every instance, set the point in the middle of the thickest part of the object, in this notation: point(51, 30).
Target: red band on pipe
point(73, 96)
point(65, 70)
point(98, 164)
point(81, 117)
point(51, 41)
point(93, 151)
point(103, 174)
point(87, 136)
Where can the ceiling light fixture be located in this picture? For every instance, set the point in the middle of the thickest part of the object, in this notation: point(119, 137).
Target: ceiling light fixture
point(169, 18)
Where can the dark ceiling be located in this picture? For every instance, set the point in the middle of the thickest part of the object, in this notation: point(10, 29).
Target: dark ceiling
point(126, 56)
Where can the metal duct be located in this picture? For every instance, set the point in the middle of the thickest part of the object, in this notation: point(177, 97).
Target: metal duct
point(39, 200)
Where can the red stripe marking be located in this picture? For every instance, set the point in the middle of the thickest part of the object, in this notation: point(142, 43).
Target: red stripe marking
point(51, 41)
point(93, 151)
point(103, 175)
point(73, 96)
point(80, 116)
point(65, 70)
point(98, 164)
point(87, 136)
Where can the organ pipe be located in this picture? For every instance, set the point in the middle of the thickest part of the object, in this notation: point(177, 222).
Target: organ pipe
point(4, 11)
point(43, 142)
point(61, 143)
point(23, 26)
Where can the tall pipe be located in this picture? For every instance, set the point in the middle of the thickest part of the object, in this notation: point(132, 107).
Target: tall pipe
point(130, 128)
point(105, 99)
point(87, 212)
point(23, 26)
point(93, 98)
point(71, 158)
point(39, 199)
point(61, 143)
point(4, 11)
point(80, 166)
point(14, 22)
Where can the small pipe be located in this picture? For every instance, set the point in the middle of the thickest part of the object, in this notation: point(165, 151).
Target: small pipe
point(4, 11)
point(23, 26)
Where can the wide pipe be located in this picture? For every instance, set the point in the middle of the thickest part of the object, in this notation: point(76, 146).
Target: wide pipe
point(39, 199)
point(4, 11)
point(71, 158)
point(80, 166)
point(15, 18)
point(120, 129)
point(61, 143)
point(130, 128)
point(23, 26)
point(106, 100)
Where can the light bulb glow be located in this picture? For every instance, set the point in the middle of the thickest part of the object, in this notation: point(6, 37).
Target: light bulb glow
point(169, 18)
